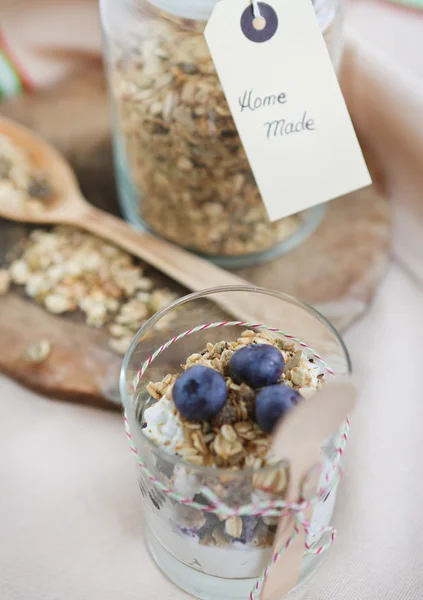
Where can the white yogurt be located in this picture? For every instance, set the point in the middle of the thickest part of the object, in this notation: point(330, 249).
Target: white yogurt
point(236, 561)
point(164, 426)
point(232, 562)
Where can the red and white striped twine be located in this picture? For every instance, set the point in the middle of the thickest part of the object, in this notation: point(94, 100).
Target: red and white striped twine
point(218, 325)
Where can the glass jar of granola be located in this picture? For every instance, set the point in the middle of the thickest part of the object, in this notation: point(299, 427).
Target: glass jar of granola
point(181, 168)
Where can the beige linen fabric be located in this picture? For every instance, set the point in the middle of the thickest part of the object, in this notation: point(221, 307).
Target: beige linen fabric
point(70, 511)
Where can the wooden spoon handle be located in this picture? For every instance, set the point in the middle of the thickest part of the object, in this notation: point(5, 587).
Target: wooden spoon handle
point(191, 271)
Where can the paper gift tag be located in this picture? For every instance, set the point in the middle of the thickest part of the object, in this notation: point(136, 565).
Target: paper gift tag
point(286, 103)
point(298, 440)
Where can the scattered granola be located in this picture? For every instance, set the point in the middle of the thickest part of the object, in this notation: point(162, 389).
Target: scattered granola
point(184, 154)
point(22, 186)
point(66, 269)
point(38, 352)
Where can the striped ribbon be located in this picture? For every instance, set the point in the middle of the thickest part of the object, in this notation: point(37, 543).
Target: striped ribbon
point(217, 325)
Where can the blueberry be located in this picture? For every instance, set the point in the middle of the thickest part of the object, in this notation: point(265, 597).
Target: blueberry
point(272, 403)
point(249, 525)
point(199, 393)
point(257, 365)
point(211, 522)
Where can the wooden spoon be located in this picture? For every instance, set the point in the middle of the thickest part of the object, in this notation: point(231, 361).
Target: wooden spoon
point(69, 207)
point(298, 440)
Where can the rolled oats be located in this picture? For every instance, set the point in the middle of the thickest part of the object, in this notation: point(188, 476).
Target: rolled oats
point(233, 527)
point(66, 270)
point(196, 459)
point(273, 481)
point(219, 537)
point(184, 154)
point(190, 517)
point(22, 186)
point(225, 449)
point(229, 433)
point(199, 442)
point(187, 450)
point(57, 304)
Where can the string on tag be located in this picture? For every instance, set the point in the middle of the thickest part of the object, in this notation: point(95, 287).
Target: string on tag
point(256, 9)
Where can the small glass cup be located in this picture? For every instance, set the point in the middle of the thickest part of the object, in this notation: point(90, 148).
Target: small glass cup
point(208, 555)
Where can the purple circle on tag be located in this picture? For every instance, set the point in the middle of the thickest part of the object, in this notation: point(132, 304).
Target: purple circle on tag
point(268, 31)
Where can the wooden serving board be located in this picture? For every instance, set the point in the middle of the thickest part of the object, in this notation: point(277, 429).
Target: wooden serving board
point(337, 269)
